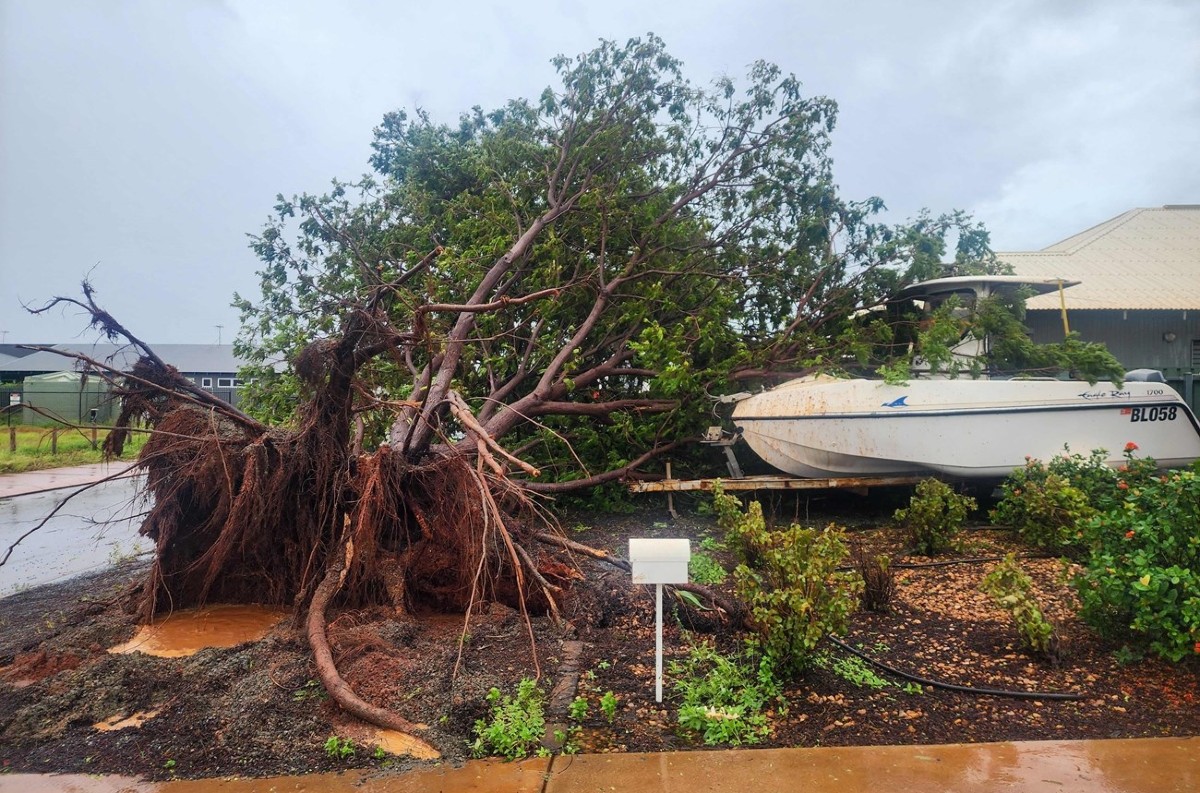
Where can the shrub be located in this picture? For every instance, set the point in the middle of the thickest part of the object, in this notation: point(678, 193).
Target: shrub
point(517, 724)
point(1141, 583)
point(1048, 504)
point(790, 581)
point(934, 514)
point(1012, 589)
point(1043, 507)
point(723, 697)
point(878, 579)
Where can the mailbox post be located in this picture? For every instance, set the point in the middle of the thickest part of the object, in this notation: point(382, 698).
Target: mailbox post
point(659, 562)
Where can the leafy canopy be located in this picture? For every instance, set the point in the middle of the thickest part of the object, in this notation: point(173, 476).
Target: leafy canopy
point(583, 268)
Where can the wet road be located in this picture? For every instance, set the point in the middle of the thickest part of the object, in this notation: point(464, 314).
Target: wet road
point(93, 530)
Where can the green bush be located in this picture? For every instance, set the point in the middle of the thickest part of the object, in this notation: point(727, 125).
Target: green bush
point(722, 697)
point(1012, 589)
point(517, 724)
point(934, 514)
point(1043, 507)
point(1049, 503)
point(1141, 583)
point(790, 581)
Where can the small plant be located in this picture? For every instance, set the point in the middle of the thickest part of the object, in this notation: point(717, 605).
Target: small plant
point(790, 581)
point(379, 753)
point(934, 515)
point(568, 739)
point(1049, 504)
point(723, 697)
point(339, 749)
point(312, 689)
point(517, 724)
point(608, 706)
point(852, 669)
point(604, 664)
point(703, 569)
point(1012, 589)
point(578, 709)
point(169, 766)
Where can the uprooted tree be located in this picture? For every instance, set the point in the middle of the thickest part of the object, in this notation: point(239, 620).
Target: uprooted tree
point(533, 302)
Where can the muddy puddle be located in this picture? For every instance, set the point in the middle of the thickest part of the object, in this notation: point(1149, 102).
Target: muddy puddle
point(188, 632)
point(400, 743)
point(120, 722)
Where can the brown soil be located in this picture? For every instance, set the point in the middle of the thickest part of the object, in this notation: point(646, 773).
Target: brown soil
point(256, 709)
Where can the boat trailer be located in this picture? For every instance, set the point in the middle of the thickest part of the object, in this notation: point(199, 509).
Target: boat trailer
point(857, 484)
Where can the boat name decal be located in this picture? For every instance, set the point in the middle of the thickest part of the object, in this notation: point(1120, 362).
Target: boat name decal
point(896, 403)
point(1114, 394)
point(1155, 413)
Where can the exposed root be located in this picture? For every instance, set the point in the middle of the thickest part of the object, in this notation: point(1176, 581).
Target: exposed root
point(339, 690)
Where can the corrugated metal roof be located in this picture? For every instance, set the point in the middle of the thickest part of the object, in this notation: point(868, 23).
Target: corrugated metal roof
point(187, 358)
point(1142, 259)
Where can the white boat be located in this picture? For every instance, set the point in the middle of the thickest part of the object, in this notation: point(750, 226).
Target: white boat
point(961, 428)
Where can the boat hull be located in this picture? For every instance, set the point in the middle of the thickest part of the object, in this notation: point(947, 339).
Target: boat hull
point(967, 429)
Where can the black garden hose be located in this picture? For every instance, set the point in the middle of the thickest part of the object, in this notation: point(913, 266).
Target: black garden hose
point(991, 692)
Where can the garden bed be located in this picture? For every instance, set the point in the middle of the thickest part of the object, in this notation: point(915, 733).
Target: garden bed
point(255, 710)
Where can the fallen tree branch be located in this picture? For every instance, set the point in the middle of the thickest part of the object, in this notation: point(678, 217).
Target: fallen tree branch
point(462, 411)
point(601, 478)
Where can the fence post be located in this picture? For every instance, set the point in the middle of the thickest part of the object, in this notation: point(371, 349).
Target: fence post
point(54, 441)
point(12, 440)
point(93, 436)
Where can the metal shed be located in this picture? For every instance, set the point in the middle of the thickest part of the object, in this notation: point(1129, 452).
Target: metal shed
point(66, 397)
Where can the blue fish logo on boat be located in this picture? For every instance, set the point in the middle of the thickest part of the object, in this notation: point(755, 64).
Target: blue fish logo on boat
point(896, 403)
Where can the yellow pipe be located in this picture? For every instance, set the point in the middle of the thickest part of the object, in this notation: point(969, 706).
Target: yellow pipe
point(1062, 301)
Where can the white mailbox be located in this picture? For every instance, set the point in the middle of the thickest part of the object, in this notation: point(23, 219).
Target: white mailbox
point(659, 561)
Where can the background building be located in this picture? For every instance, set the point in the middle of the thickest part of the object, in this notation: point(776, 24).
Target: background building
point(51, 388)
point(1139, 292)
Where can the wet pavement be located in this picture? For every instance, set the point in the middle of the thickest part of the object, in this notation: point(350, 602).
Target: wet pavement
point(1144, 765)
point(56, 478)
point(93, 530)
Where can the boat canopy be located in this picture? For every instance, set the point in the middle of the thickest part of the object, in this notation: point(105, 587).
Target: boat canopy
point(981, 285)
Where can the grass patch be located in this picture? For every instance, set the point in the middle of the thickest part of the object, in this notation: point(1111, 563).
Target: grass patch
point(34, 447)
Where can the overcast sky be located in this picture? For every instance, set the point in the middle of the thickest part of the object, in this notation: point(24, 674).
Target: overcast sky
point(141, 140)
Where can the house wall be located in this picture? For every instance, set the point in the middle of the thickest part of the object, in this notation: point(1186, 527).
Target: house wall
point(230, 394)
